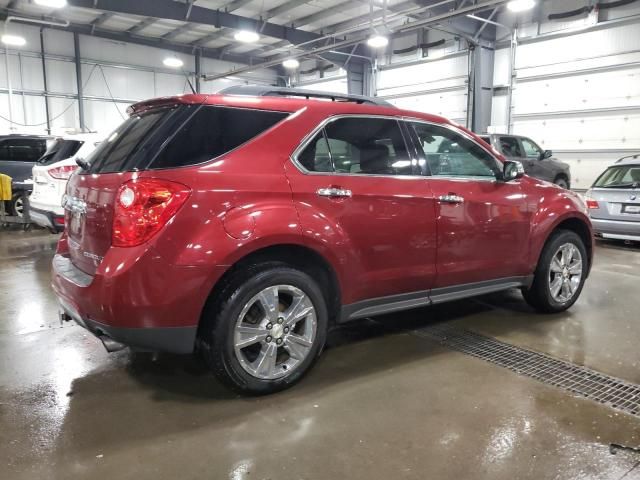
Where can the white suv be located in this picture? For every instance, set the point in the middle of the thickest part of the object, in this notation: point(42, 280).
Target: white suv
point(50, 177)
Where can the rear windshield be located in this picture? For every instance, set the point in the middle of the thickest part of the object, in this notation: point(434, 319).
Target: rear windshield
point(621, 176)
point(60, 149)
point(196, 134)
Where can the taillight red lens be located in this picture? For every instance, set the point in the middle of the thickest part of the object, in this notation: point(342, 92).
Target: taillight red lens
point(62, 173)
point(143, 207)
point(592, 204)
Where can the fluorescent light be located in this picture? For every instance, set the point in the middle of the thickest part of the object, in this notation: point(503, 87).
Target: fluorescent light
point(51, 3)
point(521, 5)
point(245, 36)
point(291, 63)
point(173, 62)
point(14, 40)
point(377, 41)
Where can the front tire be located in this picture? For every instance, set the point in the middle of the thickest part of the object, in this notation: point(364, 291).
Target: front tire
point(18, 205)
point(265, 329)
point(560, 274)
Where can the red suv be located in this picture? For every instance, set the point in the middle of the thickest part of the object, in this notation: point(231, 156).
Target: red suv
point(244, 226)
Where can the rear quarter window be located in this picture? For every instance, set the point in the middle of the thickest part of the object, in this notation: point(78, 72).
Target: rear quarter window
point(213, 131)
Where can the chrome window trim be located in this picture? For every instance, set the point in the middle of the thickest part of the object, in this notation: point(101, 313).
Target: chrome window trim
point(307, 139)
point(310, 136)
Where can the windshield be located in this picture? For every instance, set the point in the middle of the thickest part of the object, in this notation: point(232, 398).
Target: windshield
point(60, 149)
point(619, 176)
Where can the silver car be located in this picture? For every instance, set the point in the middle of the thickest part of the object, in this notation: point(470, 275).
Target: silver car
point(614, 200)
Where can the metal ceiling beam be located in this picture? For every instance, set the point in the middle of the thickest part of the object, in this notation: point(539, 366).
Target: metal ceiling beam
point(137, 40)
point(178, 31)
point(141, 25)
point(103, 17)
point(172, 10)
point(410, 26)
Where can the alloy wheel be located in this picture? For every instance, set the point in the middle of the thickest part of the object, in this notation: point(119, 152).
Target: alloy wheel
point(565, 272)
point(275, 332)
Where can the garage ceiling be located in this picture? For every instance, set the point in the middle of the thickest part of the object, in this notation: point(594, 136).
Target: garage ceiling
point(209, 25)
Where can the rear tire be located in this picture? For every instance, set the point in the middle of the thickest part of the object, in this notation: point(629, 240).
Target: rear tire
point(560, 274)
point(18, 205)
point(249, 336)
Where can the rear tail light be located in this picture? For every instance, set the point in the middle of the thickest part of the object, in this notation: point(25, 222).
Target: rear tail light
point(62, 173)
point(592, 204)
point(143, 207)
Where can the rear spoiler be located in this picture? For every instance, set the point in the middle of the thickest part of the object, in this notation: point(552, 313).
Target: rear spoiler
point(145, 105)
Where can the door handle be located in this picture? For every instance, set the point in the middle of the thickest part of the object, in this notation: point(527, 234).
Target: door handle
point(333, 192)
point(451, 198)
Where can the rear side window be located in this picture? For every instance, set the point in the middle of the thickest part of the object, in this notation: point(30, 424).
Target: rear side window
point(373, 146)
point(510, 147)
point(214, 131)
point(59, 150)
point(22, 150)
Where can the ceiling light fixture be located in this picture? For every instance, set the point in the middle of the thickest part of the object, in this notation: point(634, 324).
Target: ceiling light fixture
point(173, 62)
point(377, 41)
point(521, 5)
point(51, 3)
point(13, 40)
point(291, 63)
point(246, 36)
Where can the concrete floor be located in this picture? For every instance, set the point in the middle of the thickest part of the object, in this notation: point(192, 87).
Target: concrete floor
point(381, 403)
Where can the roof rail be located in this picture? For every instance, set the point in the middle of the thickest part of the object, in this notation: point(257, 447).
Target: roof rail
point(267, 91)
point(628, 157)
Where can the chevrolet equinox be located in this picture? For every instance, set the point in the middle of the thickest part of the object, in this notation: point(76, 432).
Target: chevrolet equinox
point(243, 225)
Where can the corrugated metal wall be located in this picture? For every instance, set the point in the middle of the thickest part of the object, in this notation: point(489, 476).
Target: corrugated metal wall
point(114, 75)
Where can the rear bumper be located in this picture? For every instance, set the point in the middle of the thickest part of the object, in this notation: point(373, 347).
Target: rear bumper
point(150, 305)
point(46, 219)
point(616, 229)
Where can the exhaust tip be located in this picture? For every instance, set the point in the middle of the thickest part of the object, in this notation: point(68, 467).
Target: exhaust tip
point(110, 344)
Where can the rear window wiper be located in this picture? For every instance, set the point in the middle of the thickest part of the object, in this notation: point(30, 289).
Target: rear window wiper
point(83, 164)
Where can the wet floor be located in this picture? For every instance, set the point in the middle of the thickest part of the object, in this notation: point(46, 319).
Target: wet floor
point(381, 403)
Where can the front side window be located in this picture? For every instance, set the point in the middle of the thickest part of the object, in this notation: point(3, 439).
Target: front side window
point(450, 154)
point(357, 145)
point(510, 147)
point(531, 150)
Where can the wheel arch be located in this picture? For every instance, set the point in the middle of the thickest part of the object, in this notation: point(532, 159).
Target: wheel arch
point(297, 256)
point(576, 224)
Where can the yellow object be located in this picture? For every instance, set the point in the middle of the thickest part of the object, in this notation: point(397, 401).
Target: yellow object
point(5, 188)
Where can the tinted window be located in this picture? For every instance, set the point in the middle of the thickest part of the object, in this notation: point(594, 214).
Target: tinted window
point(510, 147)
point(316, 157)
point(623, 176)
point(448, 153)
point(126, 146)
point(372, 146)
point(59, 150)
point(531, 150)
point(214, 131)
point(22, 150)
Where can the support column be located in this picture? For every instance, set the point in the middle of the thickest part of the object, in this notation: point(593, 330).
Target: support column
point(45, 83)
point(355, 79)
point(198, 69)
point(76, 49)
point(481, 88)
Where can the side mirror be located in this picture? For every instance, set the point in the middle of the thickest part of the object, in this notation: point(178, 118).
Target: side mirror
point(512, 170)
point(546, 154)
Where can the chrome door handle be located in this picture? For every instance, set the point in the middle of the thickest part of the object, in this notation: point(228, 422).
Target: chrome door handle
point(333, 192)
point(451, 198)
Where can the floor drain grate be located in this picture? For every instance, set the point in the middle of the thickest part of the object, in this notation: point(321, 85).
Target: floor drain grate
point(576, 379)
